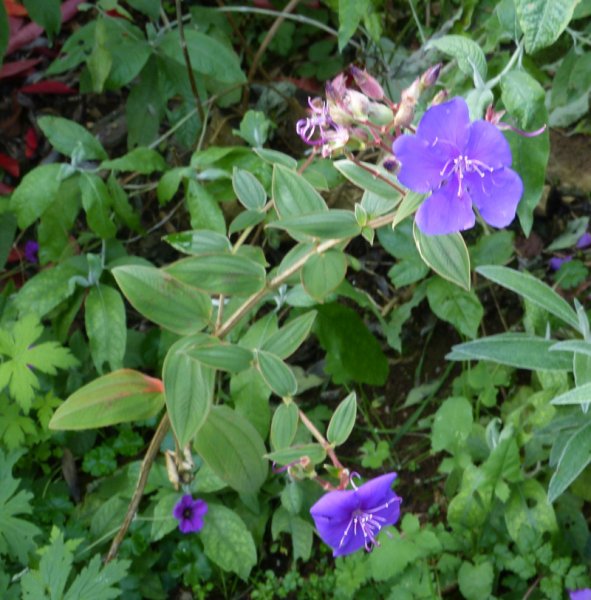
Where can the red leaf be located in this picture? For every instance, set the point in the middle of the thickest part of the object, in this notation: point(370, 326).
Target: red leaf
point(48, 87)
point(5, 189)
point(31, 142)
point(17, 67)
point(10, 165)
point(13, 9)
point(32, 31)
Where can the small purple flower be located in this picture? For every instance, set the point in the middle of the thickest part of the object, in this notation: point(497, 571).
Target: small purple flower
point(31, 251)
point(461, 164)
point(584, 241)
point(580, 594)
point(556, 262)
point(348, 520)
point(189, 513)
point(318, 120)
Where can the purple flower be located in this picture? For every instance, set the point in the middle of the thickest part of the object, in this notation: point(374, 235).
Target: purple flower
point(31, 251)
point(189, 513)
point(318, 120)
point(580, 594)
point(584, 241)
point(556, 262)
point(348, 520)
point(461, 164)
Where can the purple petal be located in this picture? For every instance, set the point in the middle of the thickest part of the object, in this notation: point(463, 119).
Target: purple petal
point(183, 504)
point(420, 163)
point(447, 122)
point(488, 145)
point(584, 241)
point(557, 262)
point(580, 594)
point(200, 508)
point(376, 491)
point(496, 195)
point(332, 514)
point(445, 212)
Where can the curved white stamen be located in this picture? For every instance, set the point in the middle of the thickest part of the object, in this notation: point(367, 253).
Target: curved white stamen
point(460, 165)
point(369, 524)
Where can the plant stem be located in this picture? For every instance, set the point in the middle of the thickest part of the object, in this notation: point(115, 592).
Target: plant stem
point(151, 454)
point(179, 16)
point(321, 439)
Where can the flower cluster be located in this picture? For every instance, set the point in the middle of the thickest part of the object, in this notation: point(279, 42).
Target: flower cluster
point(348, 520)
point(189, 513)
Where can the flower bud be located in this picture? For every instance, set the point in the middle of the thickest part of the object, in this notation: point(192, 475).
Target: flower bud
point(366, 83)
point(430, 76)
point(440, 97)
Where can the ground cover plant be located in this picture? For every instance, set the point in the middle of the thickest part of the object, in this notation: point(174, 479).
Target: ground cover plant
point(294, 299)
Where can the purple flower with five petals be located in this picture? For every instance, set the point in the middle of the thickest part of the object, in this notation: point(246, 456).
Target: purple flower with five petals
point(580, 594)
point(348, 520)
point(462, 164)
point(189, 513)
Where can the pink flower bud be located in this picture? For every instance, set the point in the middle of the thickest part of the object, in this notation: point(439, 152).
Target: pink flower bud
point(366, 83)
point(430, 76)
point(440, 97)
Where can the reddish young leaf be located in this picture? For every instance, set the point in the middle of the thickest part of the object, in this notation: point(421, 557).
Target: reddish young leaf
point(18, 67)
point(48, 87)
point(32, 31)
point(5, 189)
point(10, 165)
point(31, 142)
point(14, 9)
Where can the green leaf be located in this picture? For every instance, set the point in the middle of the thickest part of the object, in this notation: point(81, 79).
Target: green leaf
point(48, 582)
point(468, 53)
point(254, 128)
point(121, 205)
point(352, 352)
point(579, 395)
point(7, 232)
point(542, 21)
point(476, 581)
point(534, 290)
point(350, 14)
point(199, 242)
point(228, 274)
point(208, 56)
point(289, 338)
point(106, 327)
point(247, 218)
point(222, 355)
point(301, 532)
point(69, 138)
point(447, 255)
point(452, 425)
point(277, 375)
point(4, 31)
point(151, 8)
point(233, 449)
point(367, 180)
point(118, 397)
point(100, 61)
point(579, 346)
point(334, 224)
point(16, 534)
point(24, 357)
point(46, 13)
point(35, 193)
point(524, 98)
point(227, 542)
point(314, 453)
point(323, 273)
point(493, 249)
point(163, 299)
point(189, 387)
point(410, 203)
point(42, 293)
point(274, 157)
point(575, 456)
point(518, 350)
point(456, 306)
point(248, 189)
point(204, 209)
point(528, 508)
point(97, 201)
point(342, 421)
point(293, 195)
point(284, 425)
point(140, 160)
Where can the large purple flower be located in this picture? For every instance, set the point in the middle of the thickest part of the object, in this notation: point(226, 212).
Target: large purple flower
point(461, 164)
point(580, 594)
point(189, 513)
point(348, 520)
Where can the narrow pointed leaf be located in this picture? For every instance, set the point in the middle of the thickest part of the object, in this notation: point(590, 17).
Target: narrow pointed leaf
point(277, 375)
